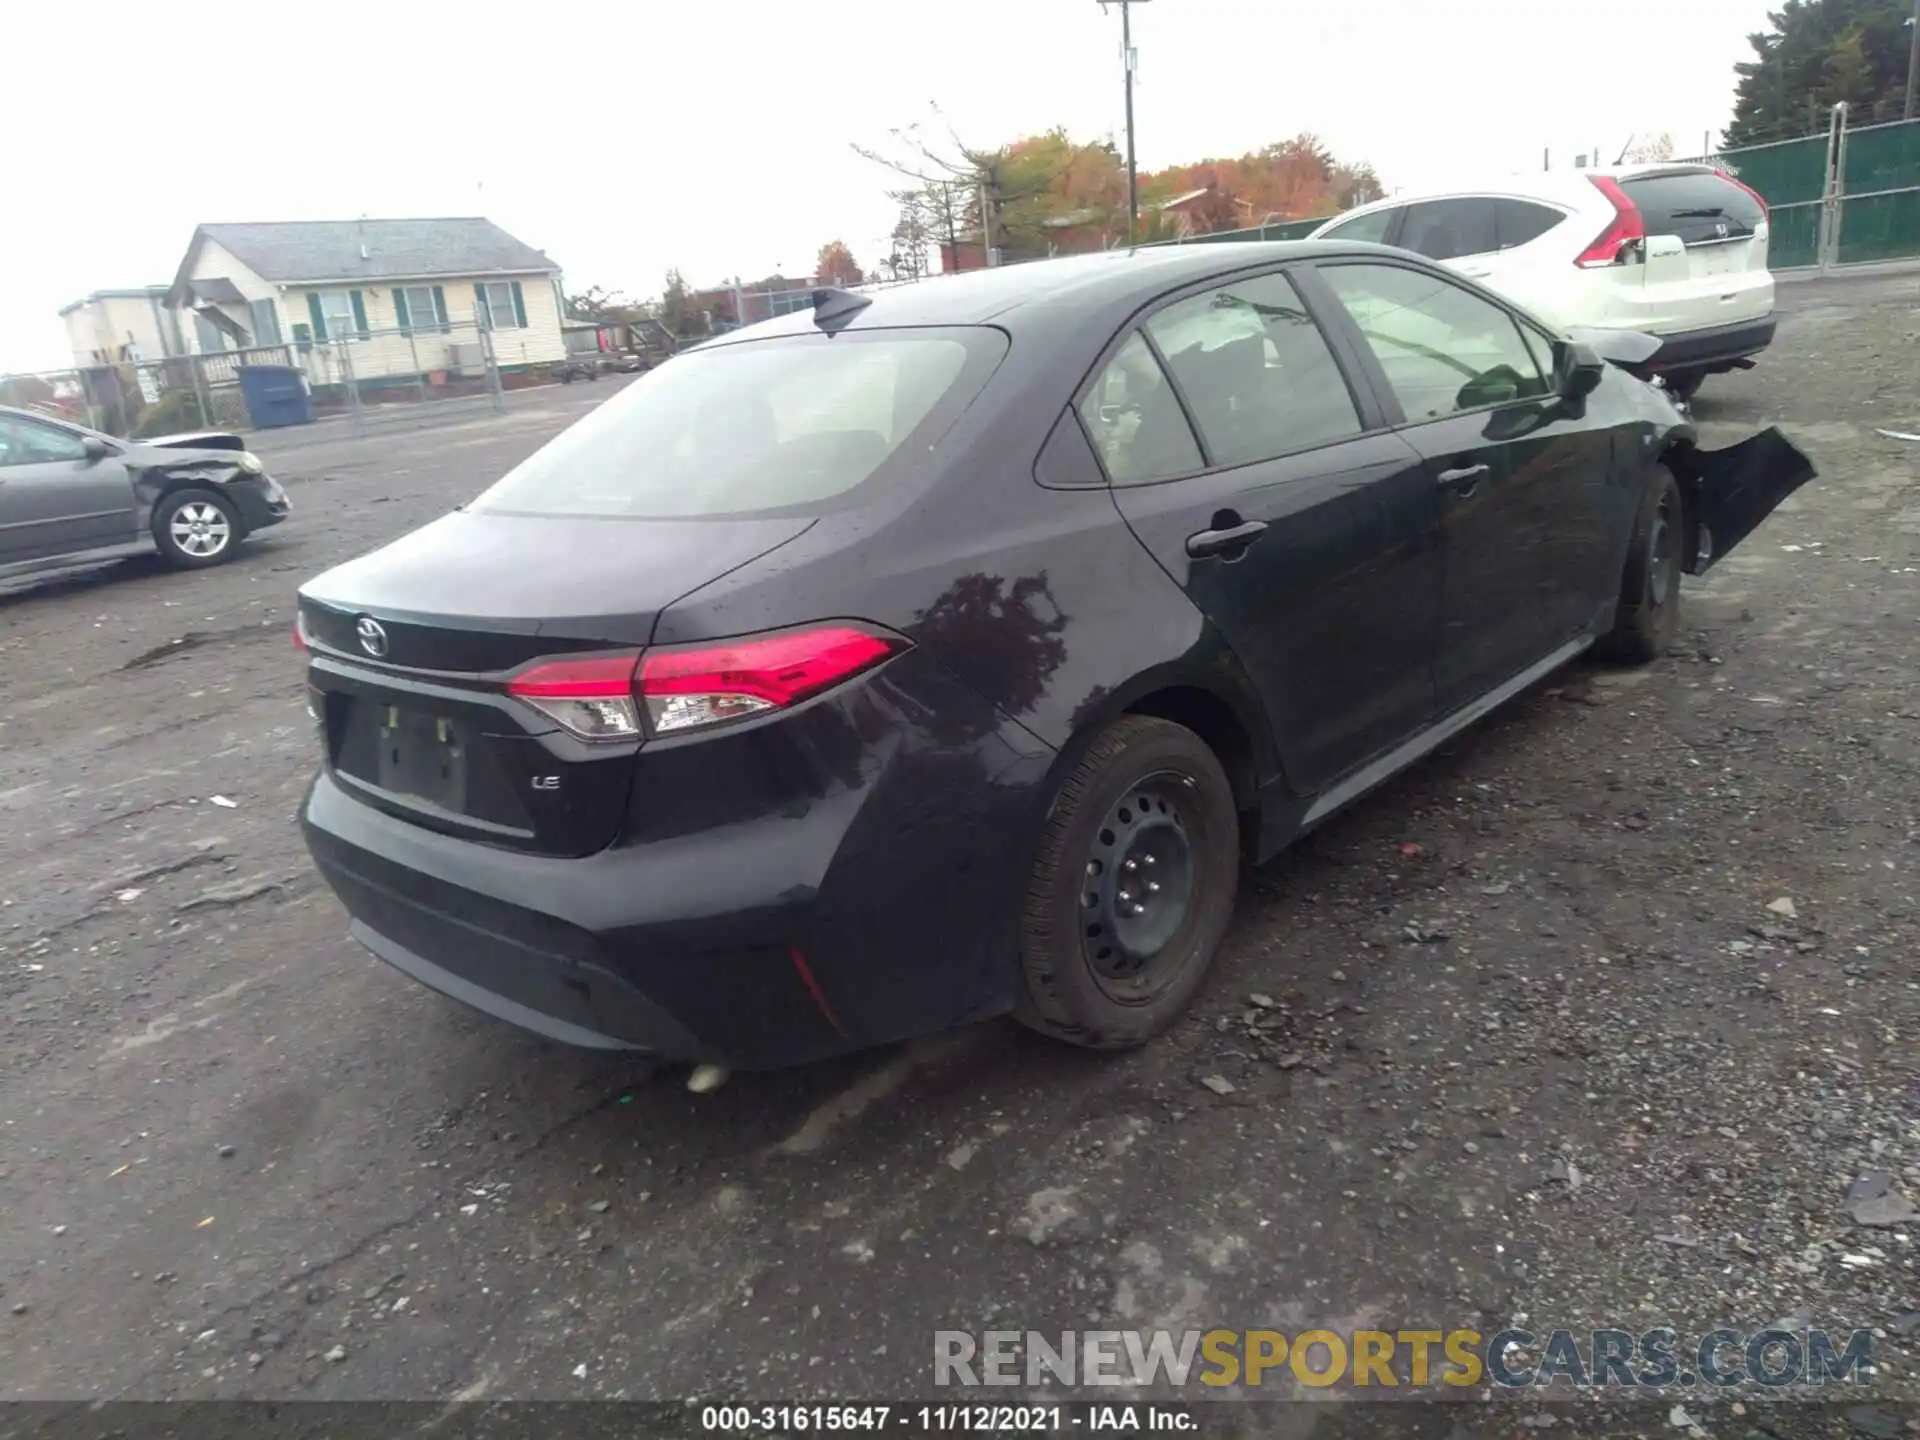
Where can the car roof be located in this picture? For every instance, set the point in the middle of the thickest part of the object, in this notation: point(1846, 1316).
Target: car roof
point(1082, 285)
point(1540, 184)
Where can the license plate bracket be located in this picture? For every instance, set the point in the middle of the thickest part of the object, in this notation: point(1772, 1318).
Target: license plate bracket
point(423, 756)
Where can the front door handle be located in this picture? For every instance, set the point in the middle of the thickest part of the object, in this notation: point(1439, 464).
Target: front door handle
point(1465, 478)
point(1220, 542)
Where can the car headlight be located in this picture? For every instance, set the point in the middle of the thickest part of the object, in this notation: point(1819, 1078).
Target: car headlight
point(249, 462)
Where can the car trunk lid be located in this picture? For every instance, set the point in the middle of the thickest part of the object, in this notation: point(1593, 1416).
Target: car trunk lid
point(414, 649)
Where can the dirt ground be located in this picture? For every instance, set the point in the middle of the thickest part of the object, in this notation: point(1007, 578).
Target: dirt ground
point(1534, 1041)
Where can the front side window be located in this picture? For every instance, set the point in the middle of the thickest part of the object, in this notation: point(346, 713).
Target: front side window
point(770, 425)
point(1255, 370)
point(1371, 228)
point(1135, 420)
point(1443, 348)
point(28, 442)
point(1450, 229)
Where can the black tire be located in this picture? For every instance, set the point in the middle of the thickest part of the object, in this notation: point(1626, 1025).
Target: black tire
point(1076, 957)
point(184, 528)
point(1649, 613)
point(1685, 384)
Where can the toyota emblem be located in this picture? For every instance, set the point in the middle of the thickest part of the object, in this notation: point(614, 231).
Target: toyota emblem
point(373, 636)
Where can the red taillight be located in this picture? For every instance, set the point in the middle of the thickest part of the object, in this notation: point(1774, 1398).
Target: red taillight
point(599, 697)
point(591, 696)
point(696, 685)
point(1627, 228)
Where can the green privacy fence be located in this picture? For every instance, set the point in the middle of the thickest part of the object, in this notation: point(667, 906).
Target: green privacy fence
point(1879, 205)
point(1848, 197)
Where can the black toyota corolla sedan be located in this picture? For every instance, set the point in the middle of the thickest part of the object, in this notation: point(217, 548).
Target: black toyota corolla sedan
point(943, 651)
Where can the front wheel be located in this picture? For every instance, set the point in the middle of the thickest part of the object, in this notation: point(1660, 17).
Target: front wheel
point(1649, 613)
point(196, 528)
point(1132, 889)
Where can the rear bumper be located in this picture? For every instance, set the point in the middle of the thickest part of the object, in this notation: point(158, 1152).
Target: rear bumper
point(883, 909)
point(1717, 347)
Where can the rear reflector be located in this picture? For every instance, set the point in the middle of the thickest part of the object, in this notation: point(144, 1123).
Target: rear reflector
point(299, 636)
point(1616, 244)
point(692, 686)
point(683, 688)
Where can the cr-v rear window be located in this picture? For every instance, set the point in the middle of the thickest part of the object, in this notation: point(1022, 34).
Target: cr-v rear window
point(1700, 206)
point(761, 425)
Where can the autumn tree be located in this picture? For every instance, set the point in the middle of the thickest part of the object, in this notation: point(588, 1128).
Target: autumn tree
point(1649, 149)
point(676, 304)
point(1817, 54)
point(835, 265)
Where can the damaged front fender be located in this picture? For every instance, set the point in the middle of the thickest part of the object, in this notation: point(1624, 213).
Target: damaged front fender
point(1731, 491)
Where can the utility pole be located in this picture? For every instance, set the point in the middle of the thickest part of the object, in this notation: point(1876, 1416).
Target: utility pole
point(1126, 59)
point(1913, 62)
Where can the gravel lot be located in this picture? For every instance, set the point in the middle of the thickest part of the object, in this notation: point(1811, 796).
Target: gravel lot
point(1542, 1040)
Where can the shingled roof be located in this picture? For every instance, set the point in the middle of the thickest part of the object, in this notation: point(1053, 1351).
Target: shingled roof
point(295, 251)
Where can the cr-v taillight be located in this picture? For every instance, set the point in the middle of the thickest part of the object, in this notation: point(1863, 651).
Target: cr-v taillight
point(681, 688)
point(1626, 230)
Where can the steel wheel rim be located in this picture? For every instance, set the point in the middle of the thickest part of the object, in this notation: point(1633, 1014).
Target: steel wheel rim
point(1663, 553)
point(1138, 886)
point(200, 529)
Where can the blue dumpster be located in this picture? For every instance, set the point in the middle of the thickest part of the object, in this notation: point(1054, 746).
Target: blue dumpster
point(276, 395)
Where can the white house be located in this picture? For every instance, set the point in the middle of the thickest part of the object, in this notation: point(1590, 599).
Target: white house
point(110, 326)
point(385, 298)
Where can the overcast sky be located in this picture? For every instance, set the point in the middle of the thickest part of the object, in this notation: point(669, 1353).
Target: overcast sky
point(625, 138)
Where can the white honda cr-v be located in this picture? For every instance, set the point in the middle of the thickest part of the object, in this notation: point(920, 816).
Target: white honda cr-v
point(1675, 251)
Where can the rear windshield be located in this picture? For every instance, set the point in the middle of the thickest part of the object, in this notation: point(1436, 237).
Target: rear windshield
point(767, 425)
point(1700, 207)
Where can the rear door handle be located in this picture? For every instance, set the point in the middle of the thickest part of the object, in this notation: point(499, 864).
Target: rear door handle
point(1219, 542)
point(1465, 478)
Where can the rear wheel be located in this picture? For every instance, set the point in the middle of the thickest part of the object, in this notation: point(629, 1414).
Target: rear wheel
point(196, 528)
point(1132, 889)
point(1649, 613)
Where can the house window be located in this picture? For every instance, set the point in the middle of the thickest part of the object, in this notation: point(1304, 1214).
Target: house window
point(416, 309)
point(498, 298)
point(336, 308)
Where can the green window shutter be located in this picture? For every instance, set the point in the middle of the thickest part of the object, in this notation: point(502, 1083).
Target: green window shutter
point(440, 307)
point(317, 315)
point(400, 308)
point(480, 313)
point(519, 306)
point(359, 313)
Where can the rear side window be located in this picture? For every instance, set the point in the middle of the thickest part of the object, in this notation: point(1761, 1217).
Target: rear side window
point(1449, 229)
point(1371, 228)
point(1135, 420)
point(1255, 370)
point(766, 425)
point(1516, 222)
point(1702, 207)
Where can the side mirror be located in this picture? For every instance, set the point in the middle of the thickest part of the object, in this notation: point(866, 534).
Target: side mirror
point(1578, 370)
point(96, 448)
